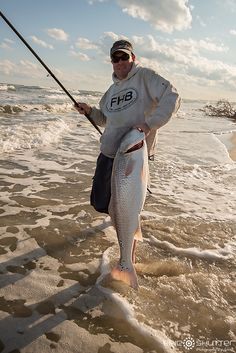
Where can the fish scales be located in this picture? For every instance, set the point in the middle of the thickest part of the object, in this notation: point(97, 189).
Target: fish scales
point(128, 193)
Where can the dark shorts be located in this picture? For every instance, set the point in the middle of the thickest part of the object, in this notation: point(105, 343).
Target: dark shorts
point(101, 188)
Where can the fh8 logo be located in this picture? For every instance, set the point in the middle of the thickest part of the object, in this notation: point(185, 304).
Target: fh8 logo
point(122, 100)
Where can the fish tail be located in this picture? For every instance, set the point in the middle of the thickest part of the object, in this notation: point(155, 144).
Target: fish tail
point(127, 276)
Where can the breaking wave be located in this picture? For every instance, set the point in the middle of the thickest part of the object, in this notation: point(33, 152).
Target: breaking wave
point(21, 108)
point(7, 87)
point(22, 137)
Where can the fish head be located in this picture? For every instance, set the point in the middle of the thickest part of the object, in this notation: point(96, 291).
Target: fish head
point(130, 139)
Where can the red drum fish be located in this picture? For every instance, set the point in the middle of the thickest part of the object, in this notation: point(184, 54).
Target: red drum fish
point(128, 192)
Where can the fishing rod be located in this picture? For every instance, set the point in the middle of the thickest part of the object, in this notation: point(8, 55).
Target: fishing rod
point(47, 68)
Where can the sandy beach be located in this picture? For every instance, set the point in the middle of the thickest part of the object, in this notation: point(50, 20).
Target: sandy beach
point(55, 250)
point(46, 325)
point(158, 273)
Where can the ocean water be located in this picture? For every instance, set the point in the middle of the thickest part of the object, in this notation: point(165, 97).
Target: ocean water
point(55, 250)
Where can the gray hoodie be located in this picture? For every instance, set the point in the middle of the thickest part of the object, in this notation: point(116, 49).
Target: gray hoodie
point(143, 96)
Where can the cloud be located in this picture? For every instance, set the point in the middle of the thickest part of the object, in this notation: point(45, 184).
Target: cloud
point(58, 34)
point(41, 42)
point(81, 56)
point(185, 57)
point(8, 41)
point(28, 65)
point(233, 32)
point(176, 49)
point(194, 46)
point(91, 2)
point(85, 44)
point(7, 67)
point(23, 68)
point(201, 22)
point(106, 41)
point(230, 4)
point(6, 44)
point(108, 38)
point(179, 58)
point(164, 15)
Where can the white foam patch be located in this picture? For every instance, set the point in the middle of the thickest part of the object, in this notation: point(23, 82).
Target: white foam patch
point(184, 185)
point(25, 137)
point(91, 266)
point(211, 254)
point(202, 191)
point(227, 138)
point(156, 337)
point(105, 225)
point(6, 87)
point(43, 222)
point(38, 108)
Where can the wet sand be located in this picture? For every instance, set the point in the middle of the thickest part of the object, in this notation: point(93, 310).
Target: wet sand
point(48, 303)
point(53, 246)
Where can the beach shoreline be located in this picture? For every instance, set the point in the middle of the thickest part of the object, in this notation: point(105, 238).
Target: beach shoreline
point(55, 248)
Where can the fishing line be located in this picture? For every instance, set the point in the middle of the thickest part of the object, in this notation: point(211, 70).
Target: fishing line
point(47, 68)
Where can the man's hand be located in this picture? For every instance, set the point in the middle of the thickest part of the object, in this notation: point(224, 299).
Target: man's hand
point(83, 108)
point(144, 127)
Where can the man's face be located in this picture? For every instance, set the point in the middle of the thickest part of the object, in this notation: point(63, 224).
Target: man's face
point(124, 65)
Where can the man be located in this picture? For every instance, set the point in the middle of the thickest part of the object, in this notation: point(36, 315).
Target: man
point(138, 98)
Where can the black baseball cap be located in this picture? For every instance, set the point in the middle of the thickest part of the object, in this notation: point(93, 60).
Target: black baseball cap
point(122, 45)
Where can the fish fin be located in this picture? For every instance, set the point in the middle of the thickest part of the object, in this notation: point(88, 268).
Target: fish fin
point(138, 233)
point(144, 174)
point(127, 276)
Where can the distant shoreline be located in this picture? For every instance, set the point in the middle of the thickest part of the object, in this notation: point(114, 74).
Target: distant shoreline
point(184, 99)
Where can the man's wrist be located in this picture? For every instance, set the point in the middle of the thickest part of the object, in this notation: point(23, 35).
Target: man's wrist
point(89, 110)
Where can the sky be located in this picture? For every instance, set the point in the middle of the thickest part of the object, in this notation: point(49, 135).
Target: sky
point(192, 43)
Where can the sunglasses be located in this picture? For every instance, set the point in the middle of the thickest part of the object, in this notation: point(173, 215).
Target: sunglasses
point(115, 59)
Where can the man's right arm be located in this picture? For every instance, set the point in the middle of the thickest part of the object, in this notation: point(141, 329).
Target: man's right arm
point(98, 117)
point(93, 112)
